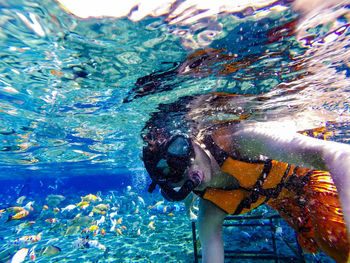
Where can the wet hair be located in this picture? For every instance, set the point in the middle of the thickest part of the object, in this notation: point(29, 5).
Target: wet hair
point(169, 120)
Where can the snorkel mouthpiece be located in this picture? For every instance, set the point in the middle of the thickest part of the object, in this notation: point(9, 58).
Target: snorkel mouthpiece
point(195, 178)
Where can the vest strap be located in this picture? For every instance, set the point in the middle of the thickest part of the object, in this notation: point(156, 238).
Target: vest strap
point(256, 190)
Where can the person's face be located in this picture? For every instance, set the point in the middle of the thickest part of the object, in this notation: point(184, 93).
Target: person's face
point(200, 162)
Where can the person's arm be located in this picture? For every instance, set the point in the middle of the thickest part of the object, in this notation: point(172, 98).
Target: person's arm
point(210, 220)
point(290, 147)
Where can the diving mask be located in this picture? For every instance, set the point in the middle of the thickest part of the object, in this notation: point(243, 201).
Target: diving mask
point(167, 164)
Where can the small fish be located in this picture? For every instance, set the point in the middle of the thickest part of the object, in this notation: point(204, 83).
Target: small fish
point(151, 225)
point(101, 220)
point(93, 228)
point(102, 206)
point(95, 244)
point(19, 256)
point(27, 239)
point(71, 230)
point(83, 204)
point(54, 200)
point(51, 220)
point(112, 215)
point(118, 231)
point(142, 201)
point(56, 210)
point(98, 211)
point(32, 255)
point(82, 220)
point(165, 208)
point(69, 208)
point(119, 221)
point(56, 73)
point(103, 232)
point(113, 222)
point(20, 227)
point(53, 240)
point(18, 215)
point(138, 232)
point(136, 211)
point(20, 200)
point(51, 251)
point(157, 204)
point(124, 227)
point(170, 214)
point(90, 198)
point(152, 217)
point(45, 207)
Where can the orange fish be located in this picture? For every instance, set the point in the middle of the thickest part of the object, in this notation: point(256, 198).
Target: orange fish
point(56, 73)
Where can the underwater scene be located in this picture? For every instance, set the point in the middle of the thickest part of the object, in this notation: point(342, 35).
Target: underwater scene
point(86, 86)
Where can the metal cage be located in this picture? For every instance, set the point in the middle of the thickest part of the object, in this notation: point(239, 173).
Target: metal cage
point(272, 254)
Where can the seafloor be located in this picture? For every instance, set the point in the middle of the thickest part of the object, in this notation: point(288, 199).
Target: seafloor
point(146, 229)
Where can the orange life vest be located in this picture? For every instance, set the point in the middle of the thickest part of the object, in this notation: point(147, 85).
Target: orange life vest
point(307, 199)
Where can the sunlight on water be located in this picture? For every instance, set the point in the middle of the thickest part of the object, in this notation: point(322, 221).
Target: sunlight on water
point(63, 79)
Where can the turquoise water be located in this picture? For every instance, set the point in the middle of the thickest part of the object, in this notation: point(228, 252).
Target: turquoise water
point(73, 106)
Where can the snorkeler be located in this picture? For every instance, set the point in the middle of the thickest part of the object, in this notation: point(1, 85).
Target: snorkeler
point(235, 166)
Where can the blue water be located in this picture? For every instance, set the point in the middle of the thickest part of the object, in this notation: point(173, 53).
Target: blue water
point(72, 111)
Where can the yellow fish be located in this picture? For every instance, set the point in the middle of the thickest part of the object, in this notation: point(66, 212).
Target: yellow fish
point(89, 198)
point(151, 226)
point(93, 228)
point(119, 221)
point(83, 204)
point(18, 215)
point(102, 207)
point(119, 231)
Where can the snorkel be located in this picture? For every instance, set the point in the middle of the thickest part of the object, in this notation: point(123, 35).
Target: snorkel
point(169, 164)
point(170, 194)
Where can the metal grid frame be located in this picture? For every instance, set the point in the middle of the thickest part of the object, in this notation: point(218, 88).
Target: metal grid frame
point(271, 255)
